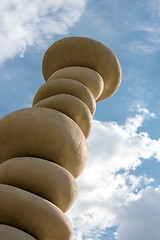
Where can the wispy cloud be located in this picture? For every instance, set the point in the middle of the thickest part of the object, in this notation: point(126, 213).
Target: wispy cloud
point(26, 23)
point(106, 185)
point(154, 7)
point(147, 30)
point(132, 26)
point(149, 43)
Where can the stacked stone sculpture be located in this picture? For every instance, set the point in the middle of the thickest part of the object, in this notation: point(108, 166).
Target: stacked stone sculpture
point(43, 149)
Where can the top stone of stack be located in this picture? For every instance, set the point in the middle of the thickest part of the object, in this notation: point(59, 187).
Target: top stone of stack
point(84, 52)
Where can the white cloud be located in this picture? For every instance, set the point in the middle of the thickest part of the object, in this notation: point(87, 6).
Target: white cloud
point(140, 220)
point(122, 146)
point(106, 185)
point(30, 22)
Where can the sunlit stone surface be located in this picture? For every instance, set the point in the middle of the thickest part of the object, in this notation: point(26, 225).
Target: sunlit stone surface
point(43, 149)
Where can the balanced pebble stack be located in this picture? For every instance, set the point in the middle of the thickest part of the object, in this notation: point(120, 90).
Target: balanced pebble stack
point(43, 149)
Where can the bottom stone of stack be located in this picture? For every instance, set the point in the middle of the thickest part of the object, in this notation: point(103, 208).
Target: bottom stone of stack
point(33, 214)
point(11, 233)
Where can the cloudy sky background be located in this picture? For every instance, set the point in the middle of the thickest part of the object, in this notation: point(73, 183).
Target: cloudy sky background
point(119, 190)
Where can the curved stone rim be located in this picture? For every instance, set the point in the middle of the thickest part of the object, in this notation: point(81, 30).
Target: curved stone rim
point(84, 52)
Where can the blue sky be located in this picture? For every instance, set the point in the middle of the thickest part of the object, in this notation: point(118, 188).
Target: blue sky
point(119, 190)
